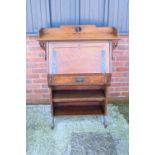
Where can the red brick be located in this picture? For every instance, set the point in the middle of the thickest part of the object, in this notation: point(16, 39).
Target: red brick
point(28, 81)
point(44, 75)
point(120, 79)
point(120, 64)
point(34, 52)
point(46, 95)
point(35, 59)
point(40, 65)
point(32, 76)
point(123, 58)
point(28, 70)
point(122, 47)
point(32, 48)
point(31, 86)
point(40, 91)
point(32, 96)
point(121, 69)
point(115, 89)
point(38, 70)
point(32, 43)
point(35, 55)
point(29, 66)
point(120, 54)
point(40, 81)
point(120, 74)
point(117, 84)
point(29, 91)
point(36, 65)
point(44, 86)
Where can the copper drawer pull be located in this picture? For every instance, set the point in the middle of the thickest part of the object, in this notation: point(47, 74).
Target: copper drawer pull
point(79, 79)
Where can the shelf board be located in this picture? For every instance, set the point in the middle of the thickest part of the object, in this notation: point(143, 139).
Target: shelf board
point(78, 96)
point(78, 110)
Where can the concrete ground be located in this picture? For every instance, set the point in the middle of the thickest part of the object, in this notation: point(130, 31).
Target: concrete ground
point(77, 135)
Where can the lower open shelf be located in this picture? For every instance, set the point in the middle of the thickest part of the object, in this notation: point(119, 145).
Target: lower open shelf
point(78, 109)
point(78, 102)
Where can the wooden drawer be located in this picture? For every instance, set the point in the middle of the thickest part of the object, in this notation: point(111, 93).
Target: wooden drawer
point(79, 79)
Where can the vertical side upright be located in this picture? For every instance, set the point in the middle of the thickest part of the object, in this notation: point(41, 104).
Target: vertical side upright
point(52, 107)
point(54, 65)
point(110, 55)
point(105, 121)
point(104, 104)
point(48, 55)
point(103, 61)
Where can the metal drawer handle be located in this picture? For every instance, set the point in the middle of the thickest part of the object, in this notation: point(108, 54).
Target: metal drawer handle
point(79, 79)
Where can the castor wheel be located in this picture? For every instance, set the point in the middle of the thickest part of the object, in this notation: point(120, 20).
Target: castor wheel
point(105, 122)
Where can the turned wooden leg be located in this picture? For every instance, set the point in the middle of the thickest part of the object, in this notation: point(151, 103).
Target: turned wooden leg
point(105, 121)
point(52, 108)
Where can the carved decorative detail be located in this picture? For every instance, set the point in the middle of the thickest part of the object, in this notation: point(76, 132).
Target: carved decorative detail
point(114, 44)
point(43, 46)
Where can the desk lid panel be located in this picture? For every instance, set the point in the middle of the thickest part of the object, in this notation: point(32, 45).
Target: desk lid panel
point(79, 58)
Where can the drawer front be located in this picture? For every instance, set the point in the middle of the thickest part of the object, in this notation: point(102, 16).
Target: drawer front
point(77, 80)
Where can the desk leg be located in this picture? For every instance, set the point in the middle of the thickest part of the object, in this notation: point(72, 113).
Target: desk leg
point(105, 122)
point(52, 107)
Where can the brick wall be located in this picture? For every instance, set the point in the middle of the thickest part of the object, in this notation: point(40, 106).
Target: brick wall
point(36, 72)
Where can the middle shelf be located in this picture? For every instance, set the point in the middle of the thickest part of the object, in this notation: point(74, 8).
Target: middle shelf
point(78, 96)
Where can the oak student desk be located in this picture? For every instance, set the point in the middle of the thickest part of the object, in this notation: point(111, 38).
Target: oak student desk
point(79, 68)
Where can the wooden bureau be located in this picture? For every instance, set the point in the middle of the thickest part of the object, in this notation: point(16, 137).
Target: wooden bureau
point(79, 68)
